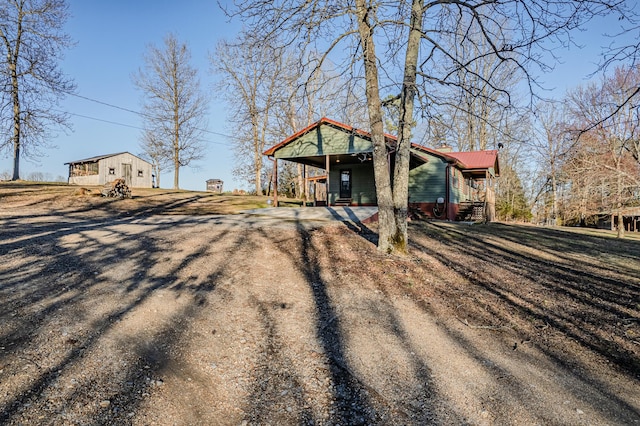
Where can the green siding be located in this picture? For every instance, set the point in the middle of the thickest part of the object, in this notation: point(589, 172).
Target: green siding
point(427, 182)
point(363, 188)
point(324, 140)
point(457, 187)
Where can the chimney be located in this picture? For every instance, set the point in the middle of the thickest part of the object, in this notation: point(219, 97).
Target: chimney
point(444, 148)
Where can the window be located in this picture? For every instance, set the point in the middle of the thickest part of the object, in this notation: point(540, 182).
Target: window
point(140, 174)
point(112, 170)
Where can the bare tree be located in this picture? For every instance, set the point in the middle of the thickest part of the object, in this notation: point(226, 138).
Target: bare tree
point(157, 151)
point(402, 49)
point(36, 177)
point(551, 145)
point(303, 103)
point(480, 106)
point(174, 106)
point(31, 46)
point(605, 152)
point(251, 73)
point(273, 97)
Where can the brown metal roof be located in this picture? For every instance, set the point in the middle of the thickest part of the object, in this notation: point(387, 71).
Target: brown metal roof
point(477, 159)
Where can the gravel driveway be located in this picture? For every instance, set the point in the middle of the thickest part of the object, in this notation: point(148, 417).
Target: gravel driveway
point(245, 320)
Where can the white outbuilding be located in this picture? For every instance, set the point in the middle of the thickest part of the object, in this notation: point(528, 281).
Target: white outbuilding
point(102, 169)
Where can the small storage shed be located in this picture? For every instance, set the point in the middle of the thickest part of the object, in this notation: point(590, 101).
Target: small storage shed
point(102, 169)
point(214, 185)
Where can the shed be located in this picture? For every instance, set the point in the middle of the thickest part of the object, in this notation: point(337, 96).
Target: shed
point(102, 169)
point(215, 185)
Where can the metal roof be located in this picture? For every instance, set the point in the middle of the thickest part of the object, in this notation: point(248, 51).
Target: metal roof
point(476, 159)
point(269, 152)
point(470, 161)
point(101, 157)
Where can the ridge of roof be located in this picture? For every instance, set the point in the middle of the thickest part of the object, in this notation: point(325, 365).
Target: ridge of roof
point(324, 120)
point(101, 157)
point(465, 159)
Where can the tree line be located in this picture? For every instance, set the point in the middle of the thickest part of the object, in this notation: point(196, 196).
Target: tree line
point(591, 143)
point(465, 73)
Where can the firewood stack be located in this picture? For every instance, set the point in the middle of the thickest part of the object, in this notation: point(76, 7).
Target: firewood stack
point(116, 189)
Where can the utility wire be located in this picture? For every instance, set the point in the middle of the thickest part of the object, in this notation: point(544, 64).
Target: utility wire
point(106, 104)
point(102, 120)
point(141, 114)
point(127, 125)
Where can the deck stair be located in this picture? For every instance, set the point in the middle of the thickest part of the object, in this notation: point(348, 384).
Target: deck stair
point(471, 211)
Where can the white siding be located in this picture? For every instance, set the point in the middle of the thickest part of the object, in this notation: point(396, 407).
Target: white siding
point(84, 180)
point(140, 170)
point(137, 165)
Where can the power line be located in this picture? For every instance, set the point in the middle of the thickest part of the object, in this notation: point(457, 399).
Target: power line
point(102, 120)
point(127, 125)
point(106, 104)
point(141, 114)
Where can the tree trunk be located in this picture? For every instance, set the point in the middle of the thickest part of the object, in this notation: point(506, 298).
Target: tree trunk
point(176, 132)
point(619, 195)
point(301, 188)
point(554, 194)
point(16, 117)
point(403, 150)
point(176, 160)
point(620, 224)
point(301, 192)
point(156, 171)
point(176, 174)
point(386, 222)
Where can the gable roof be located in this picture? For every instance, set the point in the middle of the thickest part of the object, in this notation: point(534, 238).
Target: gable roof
point(467, 160)
point(477, 159)
point(324, 120)
point(102, 157)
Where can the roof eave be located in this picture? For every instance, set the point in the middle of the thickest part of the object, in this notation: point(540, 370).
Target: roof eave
point(324, 120)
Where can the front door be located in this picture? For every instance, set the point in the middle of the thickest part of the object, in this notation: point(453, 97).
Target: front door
point(345, 184)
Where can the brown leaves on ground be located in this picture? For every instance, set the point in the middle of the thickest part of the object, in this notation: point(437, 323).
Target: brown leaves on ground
point(140, 318)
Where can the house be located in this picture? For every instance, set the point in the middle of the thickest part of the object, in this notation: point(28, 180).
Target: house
point(442, 184)
point(214, 185)
point(630, 219)
point(102, 169)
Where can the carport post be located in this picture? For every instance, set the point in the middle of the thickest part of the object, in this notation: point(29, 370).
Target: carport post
point(275, 182)
point(327, 166)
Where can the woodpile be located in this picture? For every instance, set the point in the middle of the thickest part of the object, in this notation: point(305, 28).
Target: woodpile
point(116, 189)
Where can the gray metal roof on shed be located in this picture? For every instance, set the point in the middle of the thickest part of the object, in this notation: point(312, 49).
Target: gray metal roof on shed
point(101, 157)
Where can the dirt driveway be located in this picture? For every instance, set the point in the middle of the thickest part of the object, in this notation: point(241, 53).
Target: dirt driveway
point(203, 320)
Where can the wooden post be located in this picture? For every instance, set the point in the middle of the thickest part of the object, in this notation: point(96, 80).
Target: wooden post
point(327, 167)
point(275, 182)
point(305, 197)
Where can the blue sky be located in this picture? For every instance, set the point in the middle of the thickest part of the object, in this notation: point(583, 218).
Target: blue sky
point(112, 37)
point(111, 40)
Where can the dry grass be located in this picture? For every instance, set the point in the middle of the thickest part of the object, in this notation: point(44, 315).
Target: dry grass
point(110, 314)
point(144, 200)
